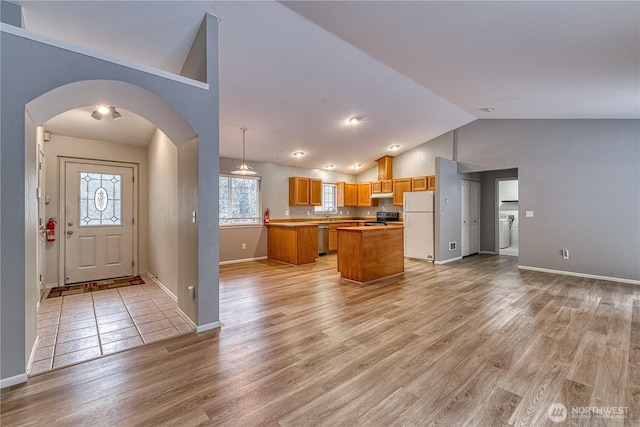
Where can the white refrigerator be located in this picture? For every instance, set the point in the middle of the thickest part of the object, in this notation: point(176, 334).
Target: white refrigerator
point(418, 225)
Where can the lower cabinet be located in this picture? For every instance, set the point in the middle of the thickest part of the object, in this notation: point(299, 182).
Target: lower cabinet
point(293, 244)
point(333, 233)
point(333, 239)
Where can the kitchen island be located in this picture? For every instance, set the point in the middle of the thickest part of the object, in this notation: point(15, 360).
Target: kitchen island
point(293, 242)
point(370, 253)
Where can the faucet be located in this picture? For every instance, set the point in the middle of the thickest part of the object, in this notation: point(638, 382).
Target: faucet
point(329, 209)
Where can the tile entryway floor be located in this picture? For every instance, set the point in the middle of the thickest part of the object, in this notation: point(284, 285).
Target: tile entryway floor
point(81, 327)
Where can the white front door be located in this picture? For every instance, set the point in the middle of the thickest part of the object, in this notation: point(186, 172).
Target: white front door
point(99, 221)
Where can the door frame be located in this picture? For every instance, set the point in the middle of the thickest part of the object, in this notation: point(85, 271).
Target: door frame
point(496, 219)
point(42, 220)
point(62, 176)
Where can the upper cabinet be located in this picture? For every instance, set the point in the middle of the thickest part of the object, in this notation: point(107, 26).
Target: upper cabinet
point(305, 191)
point(423, 183)
point(419, 183)
point(431, 182)
point(400, 186)
point(385, 168)
point(364, 195)
point(316, 192)
point(347, 194)
point(385, 186)
point(351, 194)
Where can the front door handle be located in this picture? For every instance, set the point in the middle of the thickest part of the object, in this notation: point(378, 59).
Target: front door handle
point(70, 232)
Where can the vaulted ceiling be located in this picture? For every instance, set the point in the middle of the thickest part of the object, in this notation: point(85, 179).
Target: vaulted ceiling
point(292, 73)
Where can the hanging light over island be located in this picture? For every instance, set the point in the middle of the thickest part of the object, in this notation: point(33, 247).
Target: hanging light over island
point(244, 169)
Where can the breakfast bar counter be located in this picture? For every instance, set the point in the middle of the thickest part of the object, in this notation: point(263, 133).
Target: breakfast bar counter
point(370, 253)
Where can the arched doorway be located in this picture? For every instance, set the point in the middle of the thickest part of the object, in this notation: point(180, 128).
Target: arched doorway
point(77, 144)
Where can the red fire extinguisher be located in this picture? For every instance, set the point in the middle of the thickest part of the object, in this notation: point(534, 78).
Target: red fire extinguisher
point(266, 216)
point(51, 230)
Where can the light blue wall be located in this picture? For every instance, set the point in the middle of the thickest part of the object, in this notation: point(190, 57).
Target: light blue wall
point(23, 79)
point(579, 177)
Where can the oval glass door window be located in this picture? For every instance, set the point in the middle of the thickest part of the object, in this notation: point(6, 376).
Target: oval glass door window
point(100, 199)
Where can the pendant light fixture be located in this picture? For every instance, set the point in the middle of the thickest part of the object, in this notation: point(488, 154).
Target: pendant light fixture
point(243, 169)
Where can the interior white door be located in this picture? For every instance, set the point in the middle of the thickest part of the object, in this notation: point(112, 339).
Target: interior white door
point(98, 227)
point(466, 230)
point(474, 217)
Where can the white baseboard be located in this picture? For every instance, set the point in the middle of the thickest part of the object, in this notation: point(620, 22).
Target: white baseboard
point(447, 261)
point(186, 319)
point(17, 379)
point(51, 285)
point(32, 356)
point(587, 276)
point(236, 261)
point(163, 287)
point(487, 253)
point(208, 327)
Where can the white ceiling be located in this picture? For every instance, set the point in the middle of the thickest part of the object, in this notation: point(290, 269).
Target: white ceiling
point(292, 73)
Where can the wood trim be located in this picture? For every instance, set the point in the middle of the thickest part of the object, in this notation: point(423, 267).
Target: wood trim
point(574, 274)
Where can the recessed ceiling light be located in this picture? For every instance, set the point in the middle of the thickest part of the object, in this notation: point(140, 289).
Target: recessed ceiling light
point(329, 167)
point(298, 154)
point(354, 120)
point(394, 147)
point(487, 109)
point(356, 166)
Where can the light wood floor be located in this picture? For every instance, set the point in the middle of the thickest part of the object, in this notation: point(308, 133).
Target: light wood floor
point(474, 343)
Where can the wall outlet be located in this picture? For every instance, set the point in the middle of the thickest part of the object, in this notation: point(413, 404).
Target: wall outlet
point(565, 253)
point(286, 213)
point(529, 214)
point(244, 246)
point(347, 212)
point(340, 212)
point(368, 213)
point(452, 246)
point(308, 212)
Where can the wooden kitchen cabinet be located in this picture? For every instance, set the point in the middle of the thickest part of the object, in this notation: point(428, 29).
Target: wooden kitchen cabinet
point(431, 182)
point(385, 186)
point(364, 195)
point(400, 186)
point(315, 195)
point(385, 168)
point(419, 183)
point(370, 253)
point(333, 233)
point(305, 191)
point(293, 243)
point(347, 194)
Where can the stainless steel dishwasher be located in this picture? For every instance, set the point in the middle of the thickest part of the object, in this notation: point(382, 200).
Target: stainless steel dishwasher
point(323, 239)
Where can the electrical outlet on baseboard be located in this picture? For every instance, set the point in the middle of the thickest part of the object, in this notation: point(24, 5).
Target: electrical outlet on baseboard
point(452, 246)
